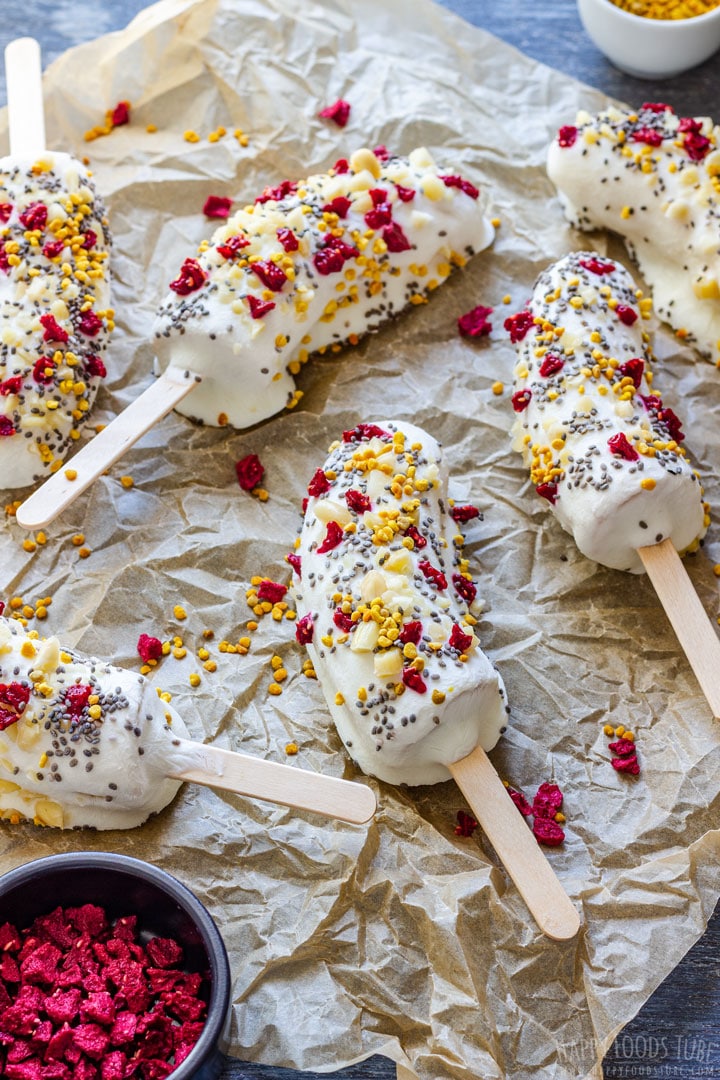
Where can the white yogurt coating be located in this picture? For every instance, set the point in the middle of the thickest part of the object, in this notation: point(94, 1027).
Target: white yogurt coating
point(97, 756)
point(654, 178)
point(247, 363)
point(404, 709)
point(53, 266)
point(600, 445)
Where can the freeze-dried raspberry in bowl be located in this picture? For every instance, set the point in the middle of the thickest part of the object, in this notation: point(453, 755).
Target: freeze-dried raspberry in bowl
point(108, 960)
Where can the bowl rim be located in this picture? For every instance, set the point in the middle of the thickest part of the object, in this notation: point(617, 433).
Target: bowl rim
point(220, 988)
point(637, 19)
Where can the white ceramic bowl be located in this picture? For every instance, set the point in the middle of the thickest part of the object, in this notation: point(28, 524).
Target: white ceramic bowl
point(650, 48)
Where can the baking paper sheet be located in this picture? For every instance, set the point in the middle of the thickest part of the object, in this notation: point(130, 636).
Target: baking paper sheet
point(399, 937)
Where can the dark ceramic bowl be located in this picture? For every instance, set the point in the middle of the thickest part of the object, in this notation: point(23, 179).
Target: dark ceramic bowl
point(164, 907)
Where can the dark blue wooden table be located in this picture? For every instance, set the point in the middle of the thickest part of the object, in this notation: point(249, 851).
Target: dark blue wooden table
point(677, 1033)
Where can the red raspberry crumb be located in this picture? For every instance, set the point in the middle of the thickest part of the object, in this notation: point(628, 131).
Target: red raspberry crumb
point(41, 367)
point(295, 561)
point(672, 423)
point(271, 275)
point(414, 680)
point(339, 112)
point(463, 185)
point(551, 364)
point(288, 239)
point(463, 514)
point(417, 538)
point(475, 323)
point(149, 648)
point(633, 369)
point(405, 194)
point(12, 385)
point(411, 632)
point(275, 194)
point(52, 330)
point(272, 591)
point(232, 246)
point(459, 640)
point(464, 588)
point(629, 765)
point(333, 537)
point(395, 238)
point(357, 501)
point(518, 325)
point(466, 825)
point(521, 400)
point(548, 832)
point(365, 431)
point(319, 484)
point(520, 801)
point(548, 800)
point(94, 367)
point(6, 209)
point(304, 629)
point(343, 620)
point(647, 135)
point(625, 314)
point(7, 427)
point(249, 471)
point(567, 135)
point(548, 491)
point(258, 308)
point(120, 114)
point(656, 107)
point(431, 573)
point(34, 216)
point(217, 206)
point(623, 747)
point(339, 205)
point(597, 266)
point(90, 239)
point(90, 324)
point(618, 444)
point(52, 248)
point(191, 278)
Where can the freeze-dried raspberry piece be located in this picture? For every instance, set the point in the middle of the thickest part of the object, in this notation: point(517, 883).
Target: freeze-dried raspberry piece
point(519, 324)
point(304, 630)
point(271, 275)
point(165, 952)
point(91, 324)
point(548, 801)
point(217, 206)
point(333, 537)
point(623, 747)
point(9, 938)
point(567, 135)
point(463, 514)
point(395, 238)
point(63, 1006)
point(626, 314)
point(462, 184)
point(414, 680)
point(618, 444)
point(629, 764)
point(9, 969)
point(91, 1039)
point(114, 1066)
point(339, 112)
point(466, 824)
point(52, 331)
point(288, 239)
point(149, 648)
point(24, 1070)
point(123, 1029)
point(357, 501)
point(273, 592)
point(411, 632)
point(120, 114)
point(459, 640)
point(365, 431)
point(191, 278)
point(431, 573)
point(249, 471)
point(319, 484)
point(89, 918)
point(98, 1007)
point(633, 369)
point(548, 832)
point(466, 589)
point(551, 364)
point(183, 1006)
point(40, 965)
point(520, 802)
point(475, 323)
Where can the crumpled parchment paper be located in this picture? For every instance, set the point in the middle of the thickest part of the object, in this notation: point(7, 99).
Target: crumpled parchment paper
point(401, 937)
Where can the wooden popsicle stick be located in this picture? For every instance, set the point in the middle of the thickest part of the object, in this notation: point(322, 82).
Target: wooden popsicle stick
point(695, 632)
point(52, 497)
point(515, 846)
point(284, 784)
point(23, 77)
